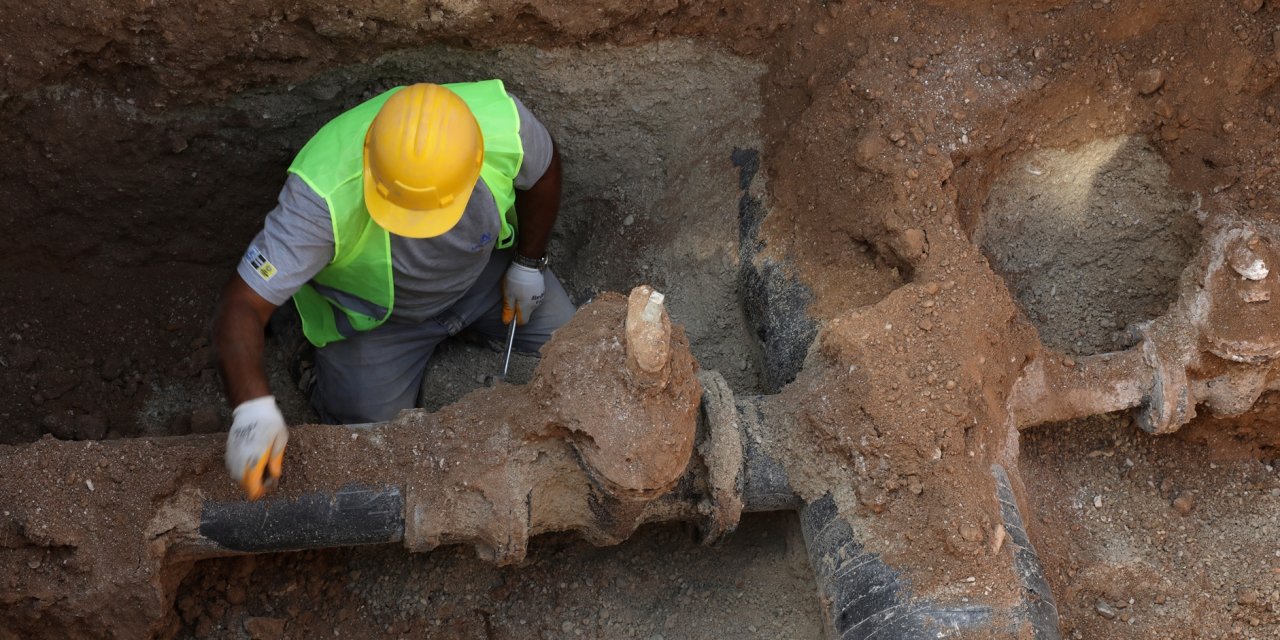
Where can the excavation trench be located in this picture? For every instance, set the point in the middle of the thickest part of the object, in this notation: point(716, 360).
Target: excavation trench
point(663, 185)
point(652, 139)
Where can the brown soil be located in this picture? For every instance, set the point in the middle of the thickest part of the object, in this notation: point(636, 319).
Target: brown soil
point(149, 140)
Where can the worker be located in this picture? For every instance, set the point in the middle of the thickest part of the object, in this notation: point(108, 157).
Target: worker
point(417, 214)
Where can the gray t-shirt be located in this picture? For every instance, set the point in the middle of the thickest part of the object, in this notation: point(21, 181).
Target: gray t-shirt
point(430, 274)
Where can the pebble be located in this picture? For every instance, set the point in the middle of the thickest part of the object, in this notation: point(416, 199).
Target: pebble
point(1184, 504)
point(1097, 502)
point(915, 241)
point(932, 288)
point(971, 532)
point(1149, 81)
point(629, 220)
point(1252, 6)
point(1105, 610)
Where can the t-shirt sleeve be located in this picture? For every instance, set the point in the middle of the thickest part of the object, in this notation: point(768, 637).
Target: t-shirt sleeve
point(295, 243)
point(537, 147)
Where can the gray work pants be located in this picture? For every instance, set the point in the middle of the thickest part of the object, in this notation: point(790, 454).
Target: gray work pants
point(374, 375)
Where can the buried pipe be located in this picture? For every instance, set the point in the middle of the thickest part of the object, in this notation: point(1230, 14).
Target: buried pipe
point(599, 449)
point(1217, 346)
point(862, 595)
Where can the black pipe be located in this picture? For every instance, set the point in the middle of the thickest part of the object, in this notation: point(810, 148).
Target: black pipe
point(1039, 609)
point(863, 597)
point(350, 516)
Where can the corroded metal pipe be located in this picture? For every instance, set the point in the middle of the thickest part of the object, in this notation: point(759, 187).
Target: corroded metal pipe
point(1217, 346)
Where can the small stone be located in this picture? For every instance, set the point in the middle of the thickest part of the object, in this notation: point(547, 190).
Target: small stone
point(919, 62)
point(1149, 81)
point(915, 241)
point(566, 627)
point(629, 220)
point(33, 564)
point(971, 532)
point(1251, 293)
point(1252, 6)
point(932, 288)
point(951, 384)
point(1160, 598)
point(1184, 504)
point(926, 324)
point(1097, 502)
point(236, 594)
point(931, 149)
point(1248, 596)
point(984, 68)
point(1105, 610)
point(912, 174)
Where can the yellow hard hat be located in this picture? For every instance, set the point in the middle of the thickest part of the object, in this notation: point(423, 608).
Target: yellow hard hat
point(422, 157)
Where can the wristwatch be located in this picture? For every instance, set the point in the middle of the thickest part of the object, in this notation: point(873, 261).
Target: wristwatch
point(533, 263)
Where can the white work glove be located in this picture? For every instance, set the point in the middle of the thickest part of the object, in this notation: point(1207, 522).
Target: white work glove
point(522, 291)
point(255, 445)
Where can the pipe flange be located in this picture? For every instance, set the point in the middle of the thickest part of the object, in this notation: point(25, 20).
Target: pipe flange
point(722, 454)
point(1167, 404)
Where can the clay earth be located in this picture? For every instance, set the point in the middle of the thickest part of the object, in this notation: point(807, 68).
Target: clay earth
point(881, 213)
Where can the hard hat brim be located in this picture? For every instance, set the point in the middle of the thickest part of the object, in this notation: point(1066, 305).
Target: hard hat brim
point(410, 223)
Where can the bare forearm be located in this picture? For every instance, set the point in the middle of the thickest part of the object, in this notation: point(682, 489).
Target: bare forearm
point(238, 339)
point(537, 209)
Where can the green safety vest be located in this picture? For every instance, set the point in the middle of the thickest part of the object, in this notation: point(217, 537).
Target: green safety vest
point(355, 291)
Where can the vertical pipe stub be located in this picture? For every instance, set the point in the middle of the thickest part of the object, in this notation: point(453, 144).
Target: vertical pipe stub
point(648, 335)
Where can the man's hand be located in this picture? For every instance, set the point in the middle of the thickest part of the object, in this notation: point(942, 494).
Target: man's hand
point(255, 446)
point(522, 291)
